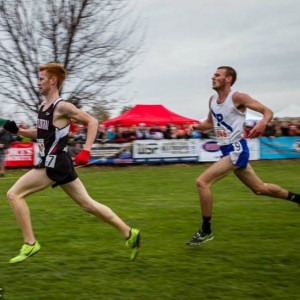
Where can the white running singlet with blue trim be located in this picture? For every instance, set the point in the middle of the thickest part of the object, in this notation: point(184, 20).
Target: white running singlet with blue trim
point(228, 120)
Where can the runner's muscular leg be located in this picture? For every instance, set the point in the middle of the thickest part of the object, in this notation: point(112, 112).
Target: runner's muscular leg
point(214, 173)
point(258, 187)
point(31, 182)
point(77, 191)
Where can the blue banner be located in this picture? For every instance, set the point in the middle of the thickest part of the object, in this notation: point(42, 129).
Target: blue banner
point(280, 147)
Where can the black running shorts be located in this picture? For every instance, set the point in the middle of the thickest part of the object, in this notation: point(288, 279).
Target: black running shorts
point(63, 171)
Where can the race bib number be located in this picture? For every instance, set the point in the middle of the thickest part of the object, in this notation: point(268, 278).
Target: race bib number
point(50, 161)
point(221, 134)
point(41, 147)
point(237, 147)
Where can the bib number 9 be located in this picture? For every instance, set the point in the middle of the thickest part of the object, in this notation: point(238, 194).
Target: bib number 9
point(237, 147)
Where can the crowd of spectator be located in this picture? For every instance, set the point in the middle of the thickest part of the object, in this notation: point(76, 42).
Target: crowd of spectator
point(276, 128)
point(6, 139)
point(121, 134)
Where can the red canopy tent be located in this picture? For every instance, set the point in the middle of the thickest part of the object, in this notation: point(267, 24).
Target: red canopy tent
point(149, 114)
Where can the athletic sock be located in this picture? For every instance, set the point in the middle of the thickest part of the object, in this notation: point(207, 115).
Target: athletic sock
point(31, 244)
point(206, 221)
point(294, 197)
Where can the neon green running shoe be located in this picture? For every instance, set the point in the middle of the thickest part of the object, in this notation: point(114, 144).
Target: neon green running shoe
point(133, 242)
point(26, 252)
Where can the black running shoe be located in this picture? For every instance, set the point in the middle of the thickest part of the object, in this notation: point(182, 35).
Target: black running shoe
point(200, 238)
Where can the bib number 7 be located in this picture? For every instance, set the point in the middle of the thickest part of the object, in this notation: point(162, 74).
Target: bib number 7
point(50, 161)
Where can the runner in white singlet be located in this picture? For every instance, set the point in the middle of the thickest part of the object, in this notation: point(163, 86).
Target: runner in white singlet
point(226, 116)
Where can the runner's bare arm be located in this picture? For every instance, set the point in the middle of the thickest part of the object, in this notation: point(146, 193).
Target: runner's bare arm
point(30, 133)
point(244, 101)
point(66, 111)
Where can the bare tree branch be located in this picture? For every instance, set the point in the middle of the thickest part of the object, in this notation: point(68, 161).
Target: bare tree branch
point(97, 41)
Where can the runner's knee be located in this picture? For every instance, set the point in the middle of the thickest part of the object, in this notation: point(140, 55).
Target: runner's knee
point(201, 183)
point(11, 196)
point(99, 210)
point(87, 207)
point(260, 190)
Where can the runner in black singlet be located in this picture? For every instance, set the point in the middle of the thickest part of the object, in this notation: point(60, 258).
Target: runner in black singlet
point(55, 166)
point(52, 144)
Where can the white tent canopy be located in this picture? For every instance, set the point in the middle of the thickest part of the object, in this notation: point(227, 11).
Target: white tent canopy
point(289, 111)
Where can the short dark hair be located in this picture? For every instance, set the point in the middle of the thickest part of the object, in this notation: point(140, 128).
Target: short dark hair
point(230, 72)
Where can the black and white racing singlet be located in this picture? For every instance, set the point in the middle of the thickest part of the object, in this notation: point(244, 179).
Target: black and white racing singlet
point(50, 139)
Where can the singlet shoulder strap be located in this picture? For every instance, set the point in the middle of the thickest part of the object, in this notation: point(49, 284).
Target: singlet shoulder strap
point(57, 100)
point(42, 104)
point(231, 93)
point(213, 99)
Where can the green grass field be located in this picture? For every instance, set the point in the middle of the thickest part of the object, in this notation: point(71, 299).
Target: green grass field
point(255, 253)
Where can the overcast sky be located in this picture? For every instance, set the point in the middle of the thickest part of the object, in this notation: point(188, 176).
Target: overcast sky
point(187, 40)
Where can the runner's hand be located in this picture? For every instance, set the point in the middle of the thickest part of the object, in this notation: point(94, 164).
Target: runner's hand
point(257, 131)
point(82, 158)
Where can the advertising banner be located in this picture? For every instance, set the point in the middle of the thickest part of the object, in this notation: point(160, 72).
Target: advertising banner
point(111, 153)
point(20, 155)
point(280, 147)
point(254, 148)
point(26, 154)
point(165, 150)
point(209, 150)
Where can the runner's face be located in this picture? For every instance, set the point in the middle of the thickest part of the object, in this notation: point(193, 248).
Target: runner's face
point(44, 83)
point(219, 79)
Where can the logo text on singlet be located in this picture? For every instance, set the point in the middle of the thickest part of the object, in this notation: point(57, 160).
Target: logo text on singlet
point(42, 124)
point(220, 121)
